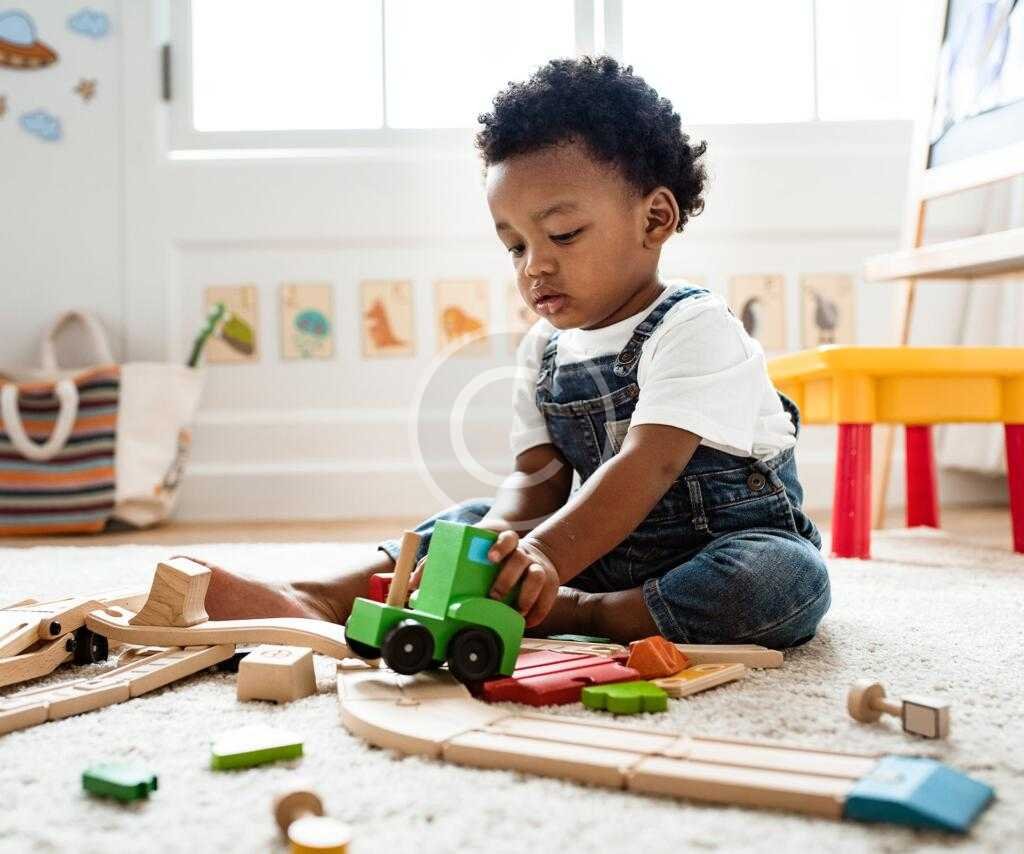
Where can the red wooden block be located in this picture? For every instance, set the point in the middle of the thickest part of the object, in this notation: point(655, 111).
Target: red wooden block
point(380, 584)
point(545, 678)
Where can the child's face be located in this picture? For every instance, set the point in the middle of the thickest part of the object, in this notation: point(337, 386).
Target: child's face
point(589, 259)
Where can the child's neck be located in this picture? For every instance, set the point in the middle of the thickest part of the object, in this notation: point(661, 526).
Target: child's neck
point(642, 298)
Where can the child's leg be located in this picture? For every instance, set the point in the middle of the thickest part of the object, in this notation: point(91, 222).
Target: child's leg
point(764, 586)
point(231, 596)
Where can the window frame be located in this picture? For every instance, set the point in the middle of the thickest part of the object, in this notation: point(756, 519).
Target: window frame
point(186, 143)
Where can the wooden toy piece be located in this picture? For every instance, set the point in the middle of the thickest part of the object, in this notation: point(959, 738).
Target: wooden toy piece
point(380, 583)
point(626, 698)
point(698, 678)
point(545, 678)
point(606, 650)
point(398, 590)
point(254, 745)
point(317, 635)
point(919, 715)
point(177, 595)
point(279, 673)
point(123, 781)
point(300, 815)
point(31, 665)
point(655, 657)
point(393, 712)
point(749, 654)
point(141, 675)
point(579, 639)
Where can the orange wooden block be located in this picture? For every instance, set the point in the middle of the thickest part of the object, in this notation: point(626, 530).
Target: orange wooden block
point(655, 658)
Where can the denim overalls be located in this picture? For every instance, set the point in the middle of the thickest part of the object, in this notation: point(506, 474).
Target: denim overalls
point(726, 556)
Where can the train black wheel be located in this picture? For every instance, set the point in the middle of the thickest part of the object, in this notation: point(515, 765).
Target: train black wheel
point(90, 647)
point(408, 648)
point(363, 650)
point(474, 655)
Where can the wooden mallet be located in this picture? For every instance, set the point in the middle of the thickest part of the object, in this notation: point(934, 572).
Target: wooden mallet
point(300, 815)
point(924, 716)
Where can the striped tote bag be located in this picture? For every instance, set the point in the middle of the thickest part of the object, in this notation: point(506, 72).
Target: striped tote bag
point(80, 448)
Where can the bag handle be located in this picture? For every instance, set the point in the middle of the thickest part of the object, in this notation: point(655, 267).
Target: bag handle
point(100, 344)
point(67, 394)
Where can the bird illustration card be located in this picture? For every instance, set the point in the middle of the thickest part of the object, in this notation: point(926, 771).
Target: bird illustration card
point(307, 321)
point(519, 316)
point(387, 318)
point(237, 339)
point(463, 316)
point(827, 309)
point(760, 304)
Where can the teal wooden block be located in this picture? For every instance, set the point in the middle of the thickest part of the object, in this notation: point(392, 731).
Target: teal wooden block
point(580, 638)
point(254, 745)
point(918, 792)
point(626, 698)
point(124, 781)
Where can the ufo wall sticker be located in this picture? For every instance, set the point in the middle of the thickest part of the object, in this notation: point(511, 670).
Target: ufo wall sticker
point(19, 45)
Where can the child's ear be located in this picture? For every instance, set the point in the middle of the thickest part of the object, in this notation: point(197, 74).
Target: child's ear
point(661, 216)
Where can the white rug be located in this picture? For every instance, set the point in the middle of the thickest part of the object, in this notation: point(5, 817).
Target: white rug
point(929, 614)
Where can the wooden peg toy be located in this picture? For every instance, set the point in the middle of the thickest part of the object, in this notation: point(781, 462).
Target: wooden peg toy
point(120, 780)
point(920, 715)
point(278, 673)
point(300, 815)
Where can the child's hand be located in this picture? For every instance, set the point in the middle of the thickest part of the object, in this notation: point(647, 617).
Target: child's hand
point(522, 561)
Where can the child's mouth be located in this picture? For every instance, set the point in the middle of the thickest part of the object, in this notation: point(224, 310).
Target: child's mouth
point(550, 305)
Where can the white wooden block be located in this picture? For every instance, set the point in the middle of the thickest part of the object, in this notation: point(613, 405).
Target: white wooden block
point(926, 716)
point(279, 673)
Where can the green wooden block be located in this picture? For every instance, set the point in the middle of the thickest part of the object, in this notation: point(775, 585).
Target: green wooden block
point(626, 698)
point(254, 745)
point(121, 780)
point(580, 638)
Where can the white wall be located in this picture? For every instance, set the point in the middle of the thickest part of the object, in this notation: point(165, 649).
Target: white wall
point(280, 439)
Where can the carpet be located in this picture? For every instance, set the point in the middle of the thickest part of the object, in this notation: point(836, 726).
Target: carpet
point(930, 614)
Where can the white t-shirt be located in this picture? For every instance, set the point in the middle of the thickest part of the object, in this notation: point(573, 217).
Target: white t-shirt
point(699, 371)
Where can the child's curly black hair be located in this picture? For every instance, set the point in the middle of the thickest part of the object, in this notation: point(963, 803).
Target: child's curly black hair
point(615, 113)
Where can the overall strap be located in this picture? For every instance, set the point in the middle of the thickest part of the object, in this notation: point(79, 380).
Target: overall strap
point(630, 354)
point(547, 360)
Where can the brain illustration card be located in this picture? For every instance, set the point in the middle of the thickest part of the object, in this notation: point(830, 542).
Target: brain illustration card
point(387, 318)
point(760, 304)
point(827, 309)
point(237, 339)
point(463, 316)
point(307, 321)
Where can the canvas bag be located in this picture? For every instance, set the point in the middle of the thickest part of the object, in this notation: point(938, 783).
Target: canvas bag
point(81, 447)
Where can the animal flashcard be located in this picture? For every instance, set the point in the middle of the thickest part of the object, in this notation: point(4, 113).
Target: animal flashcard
point(387, 318)
point(307, 325)
point(519, 316)
point(237, 340)
point(827, 309)
point(463, 316)
point(759, 303)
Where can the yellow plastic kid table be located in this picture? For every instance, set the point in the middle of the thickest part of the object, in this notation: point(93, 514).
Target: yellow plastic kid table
point(856, 387)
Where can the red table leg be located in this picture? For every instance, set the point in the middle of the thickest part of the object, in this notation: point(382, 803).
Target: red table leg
point(851, 507)
point(922, 485)
point(1015, 475)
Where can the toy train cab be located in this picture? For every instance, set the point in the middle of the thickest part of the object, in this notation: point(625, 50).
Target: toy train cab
point(450, 617)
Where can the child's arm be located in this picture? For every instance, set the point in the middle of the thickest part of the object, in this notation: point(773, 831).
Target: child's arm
point(537, 488)
point(601, 514)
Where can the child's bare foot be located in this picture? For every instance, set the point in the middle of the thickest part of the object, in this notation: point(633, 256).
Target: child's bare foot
point(234, 597)
point(621, 615)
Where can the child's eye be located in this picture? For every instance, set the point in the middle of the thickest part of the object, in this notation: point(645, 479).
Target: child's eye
point(517, 250)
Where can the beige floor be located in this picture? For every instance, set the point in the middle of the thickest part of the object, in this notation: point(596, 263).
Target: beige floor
point(988, 526)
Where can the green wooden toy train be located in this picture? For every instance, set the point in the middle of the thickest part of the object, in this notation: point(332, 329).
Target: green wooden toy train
point(451, 617)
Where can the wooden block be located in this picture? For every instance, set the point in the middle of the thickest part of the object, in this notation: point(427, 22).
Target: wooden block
point(655, 657)
point(698, 678)
point(177, 596)
point(749, 654)
point(23, 625)
point(121, 780)
point(608, 650)
point(380, 583)
point(925, 716)
point(626, 698)
point(279, 673)
point(254, 745)
point(548, 678)
point(317, 635)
